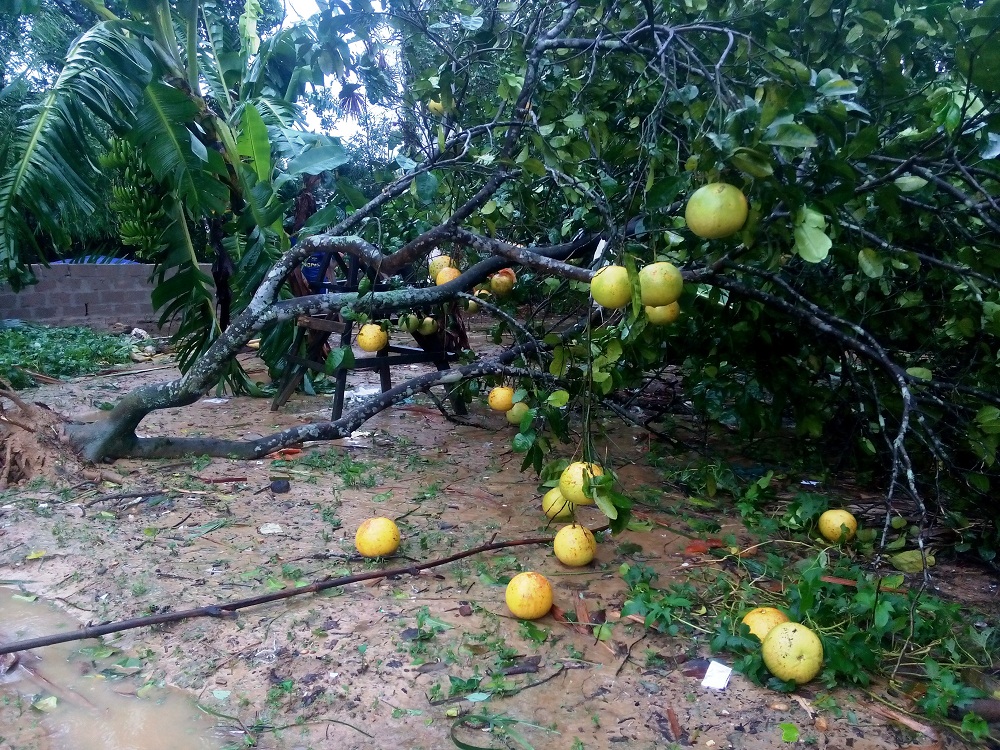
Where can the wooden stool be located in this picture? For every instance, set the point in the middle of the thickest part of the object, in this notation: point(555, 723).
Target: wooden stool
point(314, 331)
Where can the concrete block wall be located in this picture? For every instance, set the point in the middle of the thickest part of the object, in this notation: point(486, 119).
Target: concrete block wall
point(98, 295)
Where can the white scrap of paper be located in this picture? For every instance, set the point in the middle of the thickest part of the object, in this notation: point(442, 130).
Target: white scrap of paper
point(270, 528)
point(717, 676)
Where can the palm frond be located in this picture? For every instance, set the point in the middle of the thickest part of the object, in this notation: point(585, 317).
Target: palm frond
point(53, 169)
point(217, 60)
point(164, 135)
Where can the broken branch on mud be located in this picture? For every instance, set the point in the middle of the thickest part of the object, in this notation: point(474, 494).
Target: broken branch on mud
point(229, 610)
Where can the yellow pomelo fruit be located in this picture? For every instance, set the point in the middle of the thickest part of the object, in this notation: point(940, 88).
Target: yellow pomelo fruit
point(716, 210)
point(575, 545)
point(446, 274)
point(664, 314)
point(427, 326)
point(501, 398)
point(762, 619)
point(555, 506)
point(571, 481)
point(830, 524)
point(502, 282)
point(660, 284)
point(611, 288)
point(438, 262)
point(435, 107)
point(471, 306)
point(371, 337)
point(377, 537)
point(529, 596)
point(791, 651)
point(516, 412)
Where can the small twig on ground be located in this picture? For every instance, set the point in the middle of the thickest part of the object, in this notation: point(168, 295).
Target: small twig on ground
point(628, 652)
point(123, 496)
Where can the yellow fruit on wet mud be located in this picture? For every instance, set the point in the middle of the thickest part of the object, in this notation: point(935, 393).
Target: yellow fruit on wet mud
point(502, 282)
point(529, 596)
point(611, 287)
point(791, 651)
point(371, 337)
point(830, 524)
point(516, 412)
point(664, 314)
point(571, 481)
point(762, 619)
point(660, 284)
point(446, 274)
point(716, 210)
point(575, 545)
point(377, 537)
point(556, 507)
point(501, 398)
point(438, 262)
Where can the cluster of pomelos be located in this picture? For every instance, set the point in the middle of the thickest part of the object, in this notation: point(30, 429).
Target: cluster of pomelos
point(529, 594)
point(714, 211)
point(442, 269)
point(790, 650)
point(373, 337)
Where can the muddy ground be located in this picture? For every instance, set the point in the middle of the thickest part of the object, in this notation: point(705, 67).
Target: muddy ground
point(379, 664)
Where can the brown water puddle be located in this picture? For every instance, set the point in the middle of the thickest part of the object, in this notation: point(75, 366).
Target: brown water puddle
point(62, 697)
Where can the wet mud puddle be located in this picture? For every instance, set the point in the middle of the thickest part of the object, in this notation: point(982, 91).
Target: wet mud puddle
point(83, 695)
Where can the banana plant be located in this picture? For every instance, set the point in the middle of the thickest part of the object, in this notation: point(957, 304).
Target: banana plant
point(213, 118)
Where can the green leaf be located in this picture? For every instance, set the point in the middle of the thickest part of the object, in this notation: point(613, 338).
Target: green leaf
point(991, 146)
point(318, 160)
point(789, 134)
point(870, 263)
point(254, 144)
point(752, 163)
point(522, 443)
point(574, 121)
point(910, 561)
point(988, 419)
point(558, 399)
point(789, 732)
point(557, 367)
point(427, 186)
point(862, 144)
point(607, 507)
point(603, 632)
point(838, 87)
point(922, 373)
point(533, 632)
point(46, 705)
point(340, 357)
point(909, 183)
point(812, 244)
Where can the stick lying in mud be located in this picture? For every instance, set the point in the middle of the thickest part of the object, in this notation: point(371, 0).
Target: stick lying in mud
point(228, 610)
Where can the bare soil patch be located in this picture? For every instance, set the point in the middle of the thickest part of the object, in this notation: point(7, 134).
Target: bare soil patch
point(391, 663)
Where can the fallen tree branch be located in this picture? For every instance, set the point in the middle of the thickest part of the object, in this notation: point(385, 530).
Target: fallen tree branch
point(228, 610)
